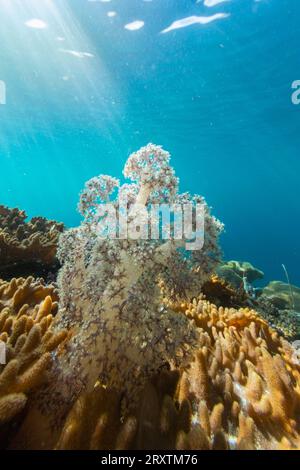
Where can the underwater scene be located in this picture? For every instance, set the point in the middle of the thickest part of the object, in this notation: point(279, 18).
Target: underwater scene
point(149, 225)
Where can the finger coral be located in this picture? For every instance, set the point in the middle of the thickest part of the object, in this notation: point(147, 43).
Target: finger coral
point(244, 385)
point(26, 247)
point(27, 308)
point(110, 299)
point(94, 422)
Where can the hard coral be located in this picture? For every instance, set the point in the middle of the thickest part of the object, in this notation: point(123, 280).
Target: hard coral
point(96, 421)
point(109, 294)
point(27, 247)
point(244, 386)
point(27, 308)
point(283, 296)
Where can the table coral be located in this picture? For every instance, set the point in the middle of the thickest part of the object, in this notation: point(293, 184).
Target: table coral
point(109, 294)
point(27, 308)
point(27, 247)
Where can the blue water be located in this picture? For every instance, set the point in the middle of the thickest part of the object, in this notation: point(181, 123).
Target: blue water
point(216, 95)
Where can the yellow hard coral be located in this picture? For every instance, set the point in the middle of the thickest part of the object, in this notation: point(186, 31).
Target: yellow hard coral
point(25, 293)
point(157, 422)
point(94, 423)
point(27, 308)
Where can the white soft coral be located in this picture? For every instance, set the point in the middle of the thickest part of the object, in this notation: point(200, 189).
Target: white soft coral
point(109, 288)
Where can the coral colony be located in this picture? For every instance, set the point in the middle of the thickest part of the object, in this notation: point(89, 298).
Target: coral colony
point(109, 288)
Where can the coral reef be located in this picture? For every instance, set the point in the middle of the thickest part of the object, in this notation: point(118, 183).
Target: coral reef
point(283, 296)
point(221, 293)
point(95, 421)
point(234, 272)
point(286, 322)
point(244, 387)
point(109, 289)
point(241, 391)
point(27, 309)
point(27, 248)
point(143, 345)
point(278, 303)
